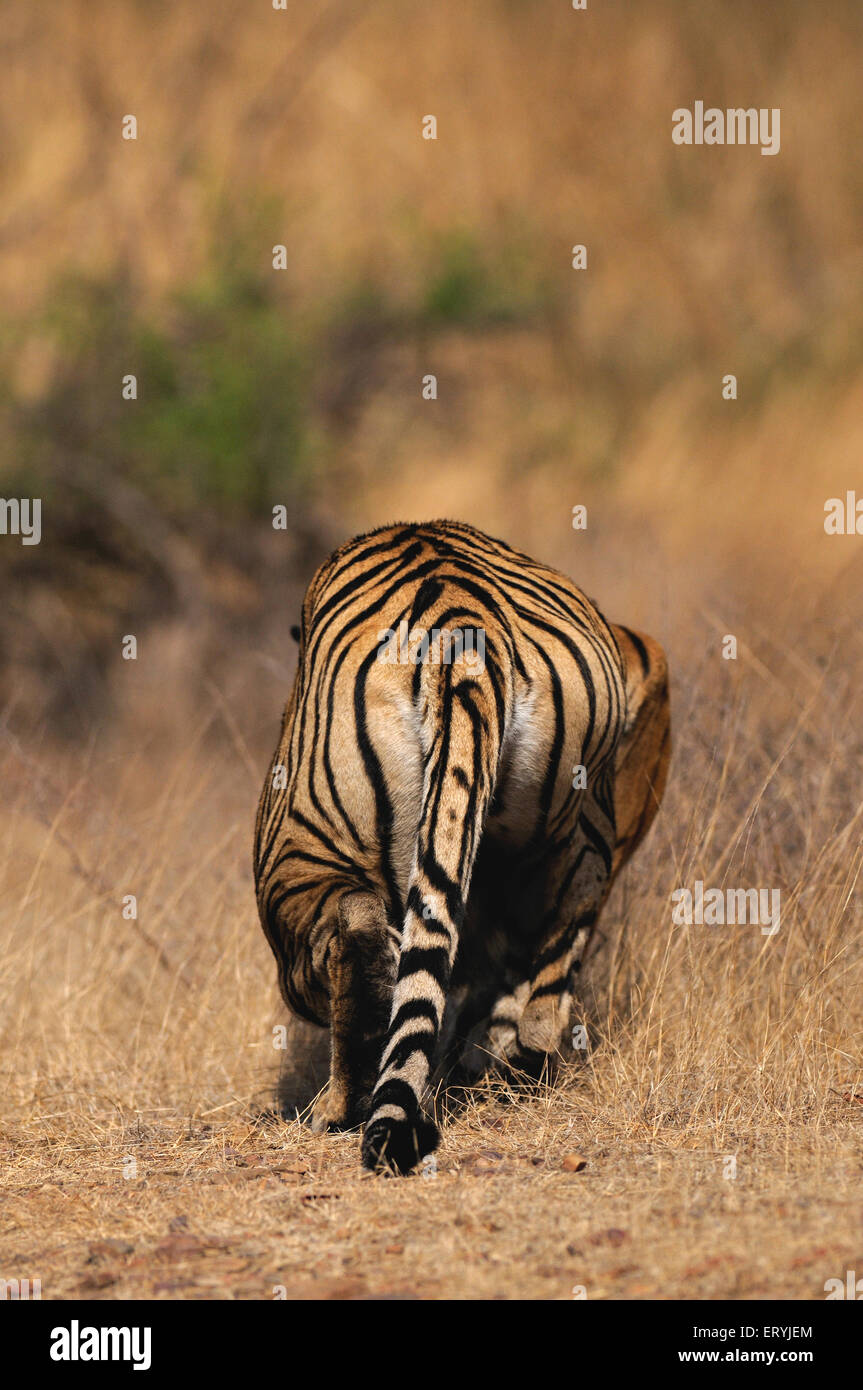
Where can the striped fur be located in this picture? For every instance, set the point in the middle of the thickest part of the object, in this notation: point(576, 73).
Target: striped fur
point(427, 873)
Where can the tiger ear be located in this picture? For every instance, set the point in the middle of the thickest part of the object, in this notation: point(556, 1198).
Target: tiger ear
point(644, 750)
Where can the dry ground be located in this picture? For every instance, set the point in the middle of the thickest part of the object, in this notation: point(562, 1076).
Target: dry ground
point(136, 1056)
point(138, 1155)
point(239, 1209)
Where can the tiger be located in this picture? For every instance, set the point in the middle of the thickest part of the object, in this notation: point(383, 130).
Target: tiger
point(469, 754)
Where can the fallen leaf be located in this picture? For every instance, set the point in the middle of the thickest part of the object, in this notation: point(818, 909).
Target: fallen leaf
point(574, 1163)
point(99, 1279)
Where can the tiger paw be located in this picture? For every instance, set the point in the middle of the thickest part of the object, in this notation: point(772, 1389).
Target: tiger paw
point(335, 1111)
point(398, 1145)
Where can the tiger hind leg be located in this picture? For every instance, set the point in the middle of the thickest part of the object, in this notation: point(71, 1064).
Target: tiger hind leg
point(493, 1043)
point(577, 885)
point(528, 1023)
point(361, 966)
point(523, 1036)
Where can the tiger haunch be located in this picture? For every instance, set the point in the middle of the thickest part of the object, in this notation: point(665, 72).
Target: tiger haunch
point(428, 868)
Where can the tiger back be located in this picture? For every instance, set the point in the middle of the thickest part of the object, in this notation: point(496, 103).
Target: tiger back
point(438, 831)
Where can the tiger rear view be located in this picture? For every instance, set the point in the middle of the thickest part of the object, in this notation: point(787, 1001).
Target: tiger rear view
point(469, 754)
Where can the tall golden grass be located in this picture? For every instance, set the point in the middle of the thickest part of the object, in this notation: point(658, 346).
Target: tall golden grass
point(153, 1037)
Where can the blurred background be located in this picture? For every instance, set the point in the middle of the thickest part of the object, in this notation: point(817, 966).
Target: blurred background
point(302, 388)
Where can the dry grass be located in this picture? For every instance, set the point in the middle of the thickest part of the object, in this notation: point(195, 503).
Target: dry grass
point(152, 1040)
